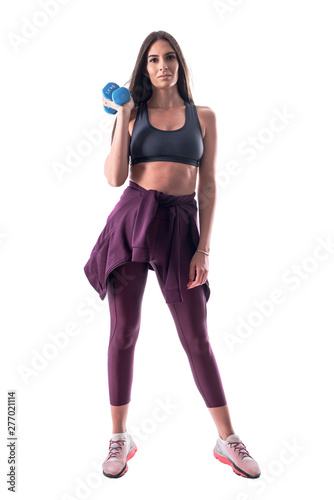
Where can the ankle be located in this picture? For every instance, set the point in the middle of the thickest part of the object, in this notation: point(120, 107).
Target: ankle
point(225, 435)
point(119, 430)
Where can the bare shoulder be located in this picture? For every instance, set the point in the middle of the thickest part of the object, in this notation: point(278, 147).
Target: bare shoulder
point(206, 113)
point(206, 116)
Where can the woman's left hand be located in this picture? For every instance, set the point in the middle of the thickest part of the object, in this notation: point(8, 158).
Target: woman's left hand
point(200, 263)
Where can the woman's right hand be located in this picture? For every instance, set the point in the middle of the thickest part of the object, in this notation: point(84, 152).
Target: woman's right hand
point(125, 108)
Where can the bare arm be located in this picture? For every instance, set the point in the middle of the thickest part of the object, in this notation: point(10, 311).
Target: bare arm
point(206, 190)
point(116, 166)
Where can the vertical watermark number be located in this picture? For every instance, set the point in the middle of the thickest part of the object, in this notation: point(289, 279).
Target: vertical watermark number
point(11, 428)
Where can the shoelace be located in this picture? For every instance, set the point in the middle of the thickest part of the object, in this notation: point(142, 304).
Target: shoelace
point(115, 450)
point(240, 448)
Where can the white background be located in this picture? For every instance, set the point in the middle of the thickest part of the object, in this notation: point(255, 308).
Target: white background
point(249, 61)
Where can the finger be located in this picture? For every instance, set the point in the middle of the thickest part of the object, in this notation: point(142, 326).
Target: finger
point(197, 281)
point(200, 280)
point(193, 284)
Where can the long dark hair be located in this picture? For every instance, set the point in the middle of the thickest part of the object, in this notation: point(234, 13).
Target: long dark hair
point(140, 85)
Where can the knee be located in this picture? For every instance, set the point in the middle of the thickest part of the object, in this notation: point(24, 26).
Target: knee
point(125, 337)
point(198, 343)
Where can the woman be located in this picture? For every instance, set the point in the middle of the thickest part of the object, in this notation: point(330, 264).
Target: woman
point(154, 226)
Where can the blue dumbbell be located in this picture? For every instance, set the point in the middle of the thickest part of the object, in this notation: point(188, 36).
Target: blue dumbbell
point(113, 92)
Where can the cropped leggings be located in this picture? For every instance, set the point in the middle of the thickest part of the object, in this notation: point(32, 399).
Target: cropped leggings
point(125, 290)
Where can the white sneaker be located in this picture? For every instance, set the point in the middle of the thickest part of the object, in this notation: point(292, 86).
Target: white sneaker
point(233, 452)
point(121, 448)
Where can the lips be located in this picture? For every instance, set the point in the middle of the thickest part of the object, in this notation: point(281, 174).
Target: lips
point(161, 76)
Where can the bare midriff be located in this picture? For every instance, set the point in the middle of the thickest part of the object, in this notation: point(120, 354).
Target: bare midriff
point(171, 178)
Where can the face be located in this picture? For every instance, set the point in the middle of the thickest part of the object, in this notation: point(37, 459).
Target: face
point(162, 60)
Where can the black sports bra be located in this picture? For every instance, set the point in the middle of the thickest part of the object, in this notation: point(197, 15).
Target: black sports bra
point(184, 145)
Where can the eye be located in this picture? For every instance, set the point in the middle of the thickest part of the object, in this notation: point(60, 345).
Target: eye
point(155, 59)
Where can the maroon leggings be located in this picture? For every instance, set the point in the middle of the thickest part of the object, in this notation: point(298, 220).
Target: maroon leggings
point(125, 290)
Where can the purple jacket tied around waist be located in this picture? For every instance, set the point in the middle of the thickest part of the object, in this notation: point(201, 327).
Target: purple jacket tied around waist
point(124, 237)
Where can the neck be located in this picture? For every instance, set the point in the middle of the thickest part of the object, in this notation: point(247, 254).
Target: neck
point(165, 99)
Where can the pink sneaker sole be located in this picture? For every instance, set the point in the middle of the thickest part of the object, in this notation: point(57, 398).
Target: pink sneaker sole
point(122, 472)
point(235, 469)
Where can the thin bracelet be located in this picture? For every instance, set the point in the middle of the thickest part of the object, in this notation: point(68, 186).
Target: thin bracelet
point(206, 253)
